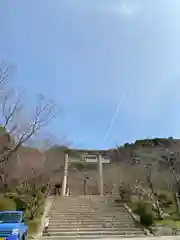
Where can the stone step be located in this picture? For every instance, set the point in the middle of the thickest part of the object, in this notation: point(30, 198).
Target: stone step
point(96, 233)
point(61, 208)
point(76, 210)
point(96, 206)
point(92, 225)
point(86, 201)
point(114, 237)
point(74, 207)
point(91, 218)
point(83, 198)
point(83, 201)
point(68, 213)
point(87, 221)
point(88, 204)
point(95, 229)
point(88, 214)
point(90, 210)
point(90, 222)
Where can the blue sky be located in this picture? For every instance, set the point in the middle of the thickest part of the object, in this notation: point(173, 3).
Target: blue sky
point(85, 54)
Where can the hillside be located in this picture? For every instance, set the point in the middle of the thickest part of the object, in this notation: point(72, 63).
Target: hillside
point(148, 151)
point(128, 163)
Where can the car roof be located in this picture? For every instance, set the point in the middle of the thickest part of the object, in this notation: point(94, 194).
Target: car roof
point(14, 211)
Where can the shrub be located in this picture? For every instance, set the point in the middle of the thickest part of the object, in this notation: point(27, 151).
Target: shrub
point(35, 205)
point(147, 219)
point(7, 204)
point(32, 203)
point(20, 204)
point(166, 199)
point(144, 210)
point(142, 207)
point(33, 225)
point(125, 192)
point(18, 200)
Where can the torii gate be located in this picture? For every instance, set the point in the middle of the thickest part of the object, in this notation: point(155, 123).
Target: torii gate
point(100, 161)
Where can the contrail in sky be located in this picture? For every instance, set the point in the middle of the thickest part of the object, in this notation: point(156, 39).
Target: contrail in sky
point(114, 117)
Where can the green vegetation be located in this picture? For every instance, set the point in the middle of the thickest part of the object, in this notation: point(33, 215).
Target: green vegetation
point(7, 204)
point(31, 203)
point(166, 199)
point(144, 210)
point(125, 192)
point(33, 225)
point(2, 130)
point(140, 207)
point(147, 219)
point(168, 223)
point(149, 215)
point(151, 180)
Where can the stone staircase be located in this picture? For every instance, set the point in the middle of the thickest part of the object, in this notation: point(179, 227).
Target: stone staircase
point(90, 217)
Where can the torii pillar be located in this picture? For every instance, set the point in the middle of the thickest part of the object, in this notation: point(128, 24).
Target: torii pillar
point(65, 177)
point(100, 173)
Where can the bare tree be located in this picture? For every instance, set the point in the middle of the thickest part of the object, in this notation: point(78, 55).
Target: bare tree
point(3, 76)
point(172, 160)
point(21, 131)
point(154, 195)
point(18, 126)
point(33, 189)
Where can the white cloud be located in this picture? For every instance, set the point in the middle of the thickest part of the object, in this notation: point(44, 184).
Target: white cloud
point(121, 7)
point(125, 9)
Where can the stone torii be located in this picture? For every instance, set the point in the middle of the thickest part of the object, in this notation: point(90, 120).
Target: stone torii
point(98, 158)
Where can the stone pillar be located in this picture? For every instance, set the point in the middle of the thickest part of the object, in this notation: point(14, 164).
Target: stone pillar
point(86, 185)
point(100, 172)
point(64, 185)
